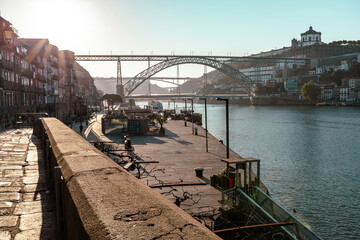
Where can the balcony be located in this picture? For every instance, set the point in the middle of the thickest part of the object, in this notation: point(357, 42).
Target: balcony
point(26, 72)
point(7, 65)
point(7, 85)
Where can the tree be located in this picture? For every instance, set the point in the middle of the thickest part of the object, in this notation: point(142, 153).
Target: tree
point(310, 91)
point(112, 99)
point(161, 119)
point(337, 76)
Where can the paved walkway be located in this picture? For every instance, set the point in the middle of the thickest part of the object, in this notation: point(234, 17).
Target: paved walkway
point(27, 201)
point(179, 153)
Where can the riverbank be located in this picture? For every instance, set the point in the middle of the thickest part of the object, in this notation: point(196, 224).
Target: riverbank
point(265, 101)
point(279, 101)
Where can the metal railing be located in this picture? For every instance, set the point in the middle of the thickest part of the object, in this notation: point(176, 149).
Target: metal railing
point(267, 210)
point(280, 214)
point(255, 212)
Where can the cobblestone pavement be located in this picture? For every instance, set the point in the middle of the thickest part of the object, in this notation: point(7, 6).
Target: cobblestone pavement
point(27, 200)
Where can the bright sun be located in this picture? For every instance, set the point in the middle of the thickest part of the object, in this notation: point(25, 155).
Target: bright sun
point(62, 22)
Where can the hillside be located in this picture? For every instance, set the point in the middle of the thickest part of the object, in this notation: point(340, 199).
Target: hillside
point(213, 77)
point(108, 85)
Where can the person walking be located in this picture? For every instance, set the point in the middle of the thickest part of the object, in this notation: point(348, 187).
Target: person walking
point(81, 128)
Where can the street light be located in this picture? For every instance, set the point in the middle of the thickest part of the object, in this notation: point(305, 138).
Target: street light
point(185, 113)
point(192, 114)
point(227, 124)
point(206, 130)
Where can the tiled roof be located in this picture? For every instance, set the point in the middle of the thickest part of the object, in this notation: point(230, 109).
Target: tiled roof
point(310, 31)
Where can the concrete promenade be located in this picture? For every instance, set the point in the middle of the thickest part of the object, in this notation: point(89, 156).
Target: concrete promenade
point(179, 152)
point(27, 201)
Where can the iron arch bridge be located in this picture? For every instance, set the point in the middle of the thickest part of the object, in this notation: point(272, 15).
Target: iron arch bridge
point(228, 70)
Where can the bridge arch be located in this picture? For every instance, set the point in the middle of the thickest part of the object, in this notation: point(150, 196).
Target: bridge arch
point(228, 70)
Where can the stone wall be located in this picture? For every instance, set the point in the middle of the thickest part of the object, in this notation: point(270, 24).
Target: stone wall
point(101, 200)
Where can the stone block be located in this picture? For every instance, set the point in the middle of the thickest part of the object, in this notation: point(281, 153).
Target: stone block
point(5, 184)
point(10, 189)
point(37, 187)
point(12, 167)
point(10, 197)
point(13, 173)
point(35, 179)
point(5, 235)
point(8, 221)
point(6, 204)
point(4, 211)
point(43, 233)
point(25, 208)
point(37, 221)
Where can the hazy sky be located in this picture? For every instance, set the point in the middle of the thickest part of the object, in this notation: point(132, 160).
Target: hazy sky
point(162, 26)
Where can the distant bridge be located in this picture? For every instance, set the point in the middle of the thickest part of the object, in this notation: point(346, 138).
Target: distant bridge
point(160, 58)
point(220, 63)
point(185, 96)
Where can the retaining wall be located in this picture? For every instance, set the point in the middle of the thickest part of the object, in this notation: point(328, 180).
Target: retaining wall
point(101, 200)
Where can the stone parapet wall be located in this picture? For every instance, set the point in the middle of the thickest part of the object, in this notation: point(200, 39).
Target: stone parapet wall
point(101, 200)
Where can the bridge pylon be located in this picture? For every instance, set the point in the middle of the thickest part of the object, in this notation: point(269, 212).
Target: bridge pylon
point(120, 91)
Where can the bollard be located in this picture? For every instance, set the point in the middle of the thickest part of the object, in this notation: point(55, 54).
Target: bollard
point(199, 172)
point(196, 131)
point(59, 198)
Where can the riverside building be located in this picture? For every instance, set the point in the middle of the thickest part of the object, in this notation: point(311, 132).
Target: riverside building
point(36, 77)
point(323, 57)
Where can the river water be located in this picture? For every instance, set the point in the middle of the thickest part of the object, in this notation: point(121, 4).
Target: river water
point(310, 159)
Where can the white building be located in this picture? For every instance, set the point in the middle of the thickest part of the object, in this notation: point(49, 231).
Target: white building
point(347, 94)
point(354, 83)
point(259, 74)
point(351, 82)
point(310, 37)
point(327, 93)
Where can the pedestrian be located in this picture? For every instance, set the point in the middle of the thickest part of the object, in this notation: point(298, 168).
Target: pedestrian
point(81, 128)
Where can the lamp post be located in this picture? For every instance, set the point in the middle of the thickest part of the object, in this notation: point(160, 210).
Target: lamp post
point(206, 130)
point(227, 124)
point(192, 114)
point(185, 113)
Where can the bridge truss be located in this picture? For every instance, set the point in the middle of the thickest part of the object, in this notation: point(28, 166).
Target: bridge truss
point(243, 80)
point(220, 63)
point(160, 58)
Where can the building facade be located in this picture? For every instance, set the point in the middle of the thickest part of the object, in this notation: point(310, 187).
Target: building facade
point(35, 77)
